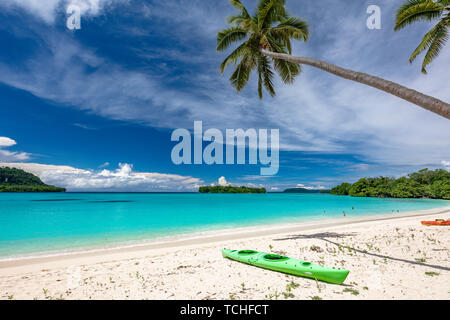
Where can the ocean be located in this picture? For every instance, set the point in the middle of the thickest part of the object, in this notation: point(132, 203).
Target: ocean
point(37, 223)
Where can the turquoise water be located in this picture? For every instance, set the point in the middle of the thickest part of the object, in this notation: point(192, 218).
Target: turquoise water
point(37, 222)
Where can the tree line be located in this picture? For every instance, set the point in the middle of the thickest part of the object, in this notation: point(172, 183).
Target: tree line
point(433, 184)
point(230, 189)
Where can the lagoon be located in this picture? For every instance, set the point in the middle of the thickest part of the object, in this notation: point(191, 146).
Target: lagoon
point(32, 223)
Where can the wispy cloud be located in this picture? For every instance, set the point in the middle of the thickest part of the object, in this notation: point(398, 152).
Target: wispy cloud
point(83, 126)
point(47, 10)
point(6, 155)
point(104, 165)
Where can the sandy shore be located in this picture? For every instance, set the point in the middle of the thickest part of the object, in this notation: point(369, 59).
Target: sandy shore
point(389, 257)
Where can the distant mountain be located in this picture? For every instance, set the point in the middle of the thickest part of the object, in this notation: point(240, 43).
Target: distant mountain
point(16, 180)
point(303, 190)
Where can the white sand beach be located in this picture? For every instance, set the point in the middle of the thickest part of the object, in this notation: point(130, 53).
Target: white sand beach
point(389, 257)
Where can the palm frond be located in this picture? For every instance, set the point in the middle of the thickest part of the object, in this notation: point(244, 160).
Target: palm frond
point(270, 11)
point(234, 56)
point(426, 42)
point(260, 80)
point(241, 74)
point(267, 74)
point(439, 41)
point(243, 19)
point(275, 44)
point(238, 5)
point(292, 27)
point(226, 37)
point(417, 10)
point(287, 70)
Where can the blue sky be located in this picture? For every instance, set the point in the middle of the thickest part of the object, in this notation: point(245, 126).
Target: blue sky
point(94, 109)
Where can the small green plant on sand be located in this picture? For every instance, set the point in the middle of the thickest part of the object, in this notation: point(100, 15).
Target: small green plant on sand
point(319, 288)
point(288, 295)
point(352, 291)
point(316, 298)
point(431, 274)
point(292, 285)
point(272, 296)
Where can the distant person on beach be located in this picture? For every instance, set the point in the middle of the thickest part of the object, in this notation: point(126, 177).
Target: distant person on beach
point(353, 208)
point(344, 213)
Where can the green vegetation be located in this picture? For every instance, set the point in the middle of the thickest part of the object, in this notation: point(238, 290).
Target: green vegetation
point(352, 291)
point(425, 183)
point(426, 10)
point(16, 180)
point(230, 189)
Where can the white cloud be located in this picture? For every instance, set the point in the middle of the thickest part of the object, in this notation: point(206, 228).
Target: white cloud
point(315, 187)
point(47, 9)
point(7, 142)
point(44, 9)
point(6, 155)
point(446, 165)
point(223, 182)
point(300, 185)
point(121, 179)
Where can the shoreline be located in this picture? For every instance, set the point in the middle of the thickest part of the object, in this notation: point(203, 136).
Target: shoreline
point(14, 265)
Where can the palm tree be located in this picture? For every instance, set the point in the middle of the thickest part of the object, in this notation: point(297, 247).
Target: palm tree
point(267, 45)
point(426, 10)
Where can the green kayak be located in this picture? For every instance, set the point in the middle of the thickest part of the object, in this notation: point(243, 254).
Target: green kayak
point(287, 265)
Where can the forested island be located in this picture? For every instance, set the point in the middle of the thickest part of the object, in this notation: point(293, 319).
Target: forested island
point(304, 190)
point(433, 184)
point(16, 180)
point(230, 189)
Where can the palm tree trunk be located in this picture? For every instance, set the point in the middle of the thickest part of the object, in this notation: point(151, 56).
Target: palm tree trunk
point(422, 100)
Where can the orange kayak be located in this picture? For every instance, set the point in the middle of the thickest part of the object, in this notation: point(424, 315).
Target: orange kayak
point(436, 223)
